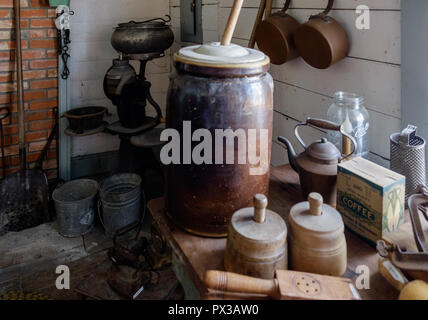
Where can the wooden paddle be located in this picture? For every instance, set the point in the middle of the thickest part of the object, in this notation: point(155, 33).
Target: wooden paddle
point(288, 285)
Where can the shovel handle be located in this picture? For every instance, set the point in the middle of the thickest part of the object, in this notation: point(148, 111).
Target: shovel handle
point(232, 282)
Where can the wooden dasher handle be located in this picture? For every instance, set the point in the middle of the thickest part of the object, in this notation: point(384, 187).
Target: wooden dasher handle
point(232, 282)
point(231, 23)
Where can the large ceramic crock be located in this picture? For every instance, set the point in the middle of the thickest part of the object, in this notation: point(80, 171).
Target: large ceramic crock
point(217, 87)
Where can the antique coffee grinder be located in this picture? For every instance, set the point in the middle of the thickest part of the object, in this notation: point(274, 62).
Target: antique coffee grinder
point(130, 91)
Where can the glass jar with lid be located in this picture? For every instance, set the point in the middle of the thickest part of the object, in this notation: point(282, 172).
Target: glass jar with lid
point(348, 109)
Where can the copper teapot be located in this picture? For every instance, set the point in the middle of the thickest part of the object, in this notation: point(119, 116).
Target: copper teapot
point(317, 165)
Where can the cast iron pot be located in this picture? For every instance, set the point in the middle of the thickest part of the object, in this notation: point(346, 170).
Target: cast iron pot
point(85, 118)
point(148, 36)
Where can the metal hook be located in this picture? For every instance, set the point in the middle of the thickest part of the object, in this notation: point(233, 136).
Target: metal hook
point(323, 15)
point(286, 5)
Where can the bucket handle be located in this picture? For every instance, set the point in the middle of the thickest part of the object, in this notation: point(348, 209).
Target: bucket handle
point(121, 230)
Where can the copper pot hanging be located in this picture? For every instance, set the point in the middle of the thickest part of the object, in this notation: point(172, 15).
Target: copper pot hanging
point(274, 36)
point(322, 41)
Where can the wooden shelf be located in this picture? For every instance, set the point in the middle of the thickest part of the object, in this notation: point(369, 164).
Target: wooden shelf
point(195, 255)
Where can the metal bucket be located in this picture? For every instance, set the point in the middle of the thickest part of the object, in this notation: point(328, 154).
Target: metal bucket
point(74, 204)
point(120, 197)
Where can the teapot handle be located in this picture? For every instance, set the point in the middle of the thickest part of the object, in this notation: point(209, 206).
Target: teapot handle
point(326, 125)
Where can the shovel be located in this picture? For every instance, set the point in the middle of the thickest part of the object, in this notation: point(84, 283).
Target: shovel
point(25, 194)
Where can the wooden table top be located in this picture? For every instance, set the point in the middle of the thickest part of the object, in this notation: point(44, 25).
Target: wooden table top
point(198, 254)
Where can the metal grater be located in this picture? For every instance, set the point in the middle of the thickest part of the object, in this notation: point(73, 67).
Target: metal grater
point(408, 158)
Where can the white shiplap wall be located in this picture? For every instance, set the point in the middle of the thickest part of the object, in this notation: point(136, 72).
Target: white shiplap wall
point(371, 69)
point(210, 21)
point(92, 54)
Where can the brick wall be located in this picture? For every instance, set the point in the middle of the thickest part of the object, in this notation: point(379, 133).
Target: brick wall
point(40, 64)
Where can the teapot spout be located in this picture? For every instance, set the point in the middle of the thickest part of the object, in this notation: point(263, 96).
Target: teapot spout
point(291, 153)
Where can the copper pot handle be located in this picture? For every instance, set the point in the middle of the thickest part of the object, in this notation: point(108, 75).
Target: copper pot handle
point(326, 125)
point(286, 6)
point(323, 15)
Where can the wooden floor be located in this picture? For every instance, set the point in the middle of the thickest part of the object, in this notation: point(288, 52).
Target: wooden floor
point(28, 260)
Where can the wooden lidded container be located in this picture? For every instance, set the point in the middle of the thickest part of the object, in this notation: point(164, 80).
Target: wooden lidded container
point(317, 241)
point(214, 87)
point(257, 242)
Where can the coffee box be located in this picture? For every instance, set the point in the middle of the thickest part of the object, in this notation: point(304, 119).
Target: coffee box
point(370, 198)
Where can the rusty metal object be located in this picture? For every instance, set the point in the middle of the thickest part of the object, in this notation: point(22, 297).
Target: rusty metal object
point(25, 195)
point(274, 36)
point(317, 165)
point(202, 198)
point(409, 261)
point(130, 282)
point(401, 258)
point(85, 118)
point(322, 41)
point(148, 36)
point(20, 88)
point(4, 113)
point(159, 254)
point(419, 202)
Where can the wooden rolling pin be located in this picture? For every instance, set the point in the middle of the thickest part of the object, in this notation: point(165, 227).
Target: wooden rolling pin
point(413, 290)
point(288, 285)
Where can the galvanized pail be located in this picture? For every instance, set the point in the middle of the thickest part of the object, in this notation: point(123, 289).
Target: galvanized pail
point(120, 197)
point(75, 204)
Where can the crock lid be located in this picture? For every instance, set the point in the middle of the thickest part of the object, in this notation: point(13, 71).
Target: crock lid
point(259, 223)
point(315, 216)
point(323, 150)
point(216, 55)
